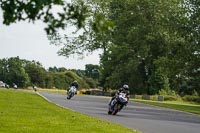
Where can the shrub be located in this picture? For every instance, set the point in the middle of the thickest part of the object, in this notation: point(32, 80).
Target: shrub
point(170, 98)
point(190, 98)
point(91, 82)
point(138, 96)
point(167, 92)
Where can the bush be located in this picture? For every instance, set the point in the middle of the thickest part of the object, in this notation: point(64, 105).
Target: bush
point(190, 98)
point(167, 92)
point(91, 82)
point(170, 98)
point(138, 96)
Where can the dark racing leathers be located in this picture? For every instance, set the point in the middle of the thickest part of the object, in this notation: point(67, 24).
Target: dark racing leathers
point(74, 84)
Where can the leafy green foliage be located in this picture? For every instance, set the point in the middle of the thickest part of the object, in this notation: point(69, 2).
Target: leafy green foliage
point(91, 82)
point(80, 73)
point(93, 36)
point(165, 92)
point(190, 98)
point(36, 73)
point(150, 45)
point(92, 71)
point(28, 73)
point(13, 72)
point(152, 48)
point(44, 10)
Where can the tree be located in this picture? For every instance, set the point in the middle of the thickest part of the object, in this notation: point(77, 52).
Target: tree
point(32, 10)
point(94, 36)
point(190, 52)
point(13, 72)
point(92, 71)
point(62, 69)
point(152, 39)
point(49, 81)
point(53, 69)
point(36, 73)
point(3, 70)
point(145, 43)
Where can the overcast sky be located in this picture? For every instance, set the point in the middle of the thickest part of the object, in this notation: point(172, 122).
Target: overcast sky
point(29, 41)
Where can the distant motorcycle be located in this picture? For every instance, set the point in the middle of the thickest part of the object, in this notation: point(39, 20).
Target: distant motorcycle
point(117, 104)
point(71, 92)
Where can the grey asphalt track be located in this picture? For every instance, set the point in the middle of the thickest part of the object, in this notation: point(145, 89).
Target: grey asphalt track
point(145, 118)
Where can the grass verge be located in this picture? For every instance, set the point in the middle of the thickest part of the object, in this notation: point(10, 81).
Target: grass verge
point(182, 106)
point(25, 112)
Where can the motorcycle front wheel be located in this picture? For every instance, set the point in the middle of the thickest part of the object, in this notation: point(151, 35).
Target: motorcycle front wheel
point(115, 109)
point(69, 95)
point(109, 112)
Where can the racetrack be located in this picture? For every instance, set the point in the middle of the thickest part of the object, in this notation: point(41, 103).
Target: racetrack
point(145, 118)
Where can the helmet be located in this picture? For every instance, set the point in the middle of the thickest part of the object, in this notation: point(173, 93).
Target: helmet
point(75, 81)
point(125, 87)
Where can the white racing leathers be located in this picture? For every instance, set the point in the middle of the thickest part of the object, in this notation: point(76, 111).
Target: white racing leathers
point(71, 92)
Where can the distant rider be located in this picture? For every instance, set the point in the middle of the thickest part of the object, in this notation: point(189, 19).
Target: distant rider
point(14, 86)
point(75, 84)
point(124, 89)
point(34, 88)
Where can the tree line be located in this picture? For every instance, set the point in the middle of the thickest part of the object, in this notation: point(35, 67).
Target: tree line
point(26, 73)
point(152, 46)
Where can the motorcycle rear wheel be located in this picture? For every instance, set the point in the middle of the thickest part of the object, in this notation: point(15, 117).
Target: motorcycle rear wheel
point(109, 112)
point(68, 97)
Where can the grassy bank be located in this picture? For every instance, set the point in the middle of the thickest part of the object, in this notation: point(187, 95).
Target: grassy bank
point(177, 105)
point(25, 112)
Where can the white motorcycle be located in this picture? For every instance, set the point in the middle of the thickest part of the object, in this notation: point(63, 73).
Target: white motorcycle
point(117, 104)
point(71, 92)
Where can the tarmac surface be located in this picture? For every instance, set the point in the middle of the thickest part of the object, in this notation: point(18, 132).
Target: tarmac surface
point(137, 116)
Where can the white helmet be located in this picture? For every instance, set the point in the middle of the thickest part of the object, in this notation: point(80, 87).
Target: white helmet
point(125, 87)
point(75, 81)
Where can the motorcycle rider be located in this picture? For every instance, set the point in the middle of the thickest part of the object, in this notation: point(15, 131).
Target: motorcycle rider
point(75, 84)
point(124, 89)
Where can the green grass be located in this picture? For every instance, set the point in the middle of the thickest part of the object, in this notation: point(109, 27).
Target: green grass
point(177, 105)
point(23, 112)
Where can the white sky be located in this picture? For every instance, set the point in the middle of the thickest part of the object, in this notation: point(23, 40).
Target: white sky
point(29, 41)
